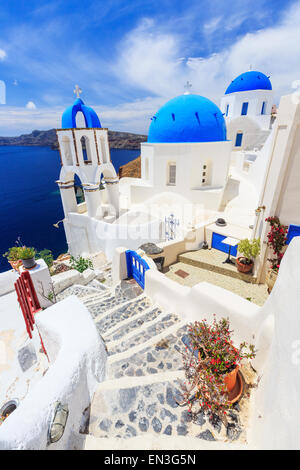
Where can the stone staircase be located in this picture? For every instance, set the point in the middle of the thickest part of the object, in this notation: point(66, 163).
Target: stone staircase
point(144, 373)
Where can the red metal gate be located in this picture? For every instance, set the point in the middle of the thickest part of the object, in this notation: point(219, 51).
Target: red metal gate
point(29, 303)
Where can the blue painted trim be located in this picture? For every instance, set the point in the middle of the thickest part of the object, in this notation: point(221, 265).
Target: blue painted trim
point(294, 231)
point(238, 139)
point(245, 108)
point(217, 243)
point(136, 267)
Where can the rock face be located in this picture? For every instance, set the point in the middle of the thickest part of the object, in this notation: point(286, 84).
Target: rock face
point(117, 140)
point(131, 169)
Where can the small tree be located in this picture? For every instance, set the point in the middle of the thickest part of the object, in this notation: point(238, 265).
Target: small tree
point(250, 249)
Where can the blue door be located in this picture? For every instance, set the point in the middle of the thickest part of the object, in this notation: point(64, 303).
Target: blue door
point(136, 267)
point(216, 243)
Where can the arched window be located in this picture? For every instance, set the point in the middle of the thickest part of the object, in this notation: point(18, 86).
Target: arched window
point(86, 151)
point(66, 148)
point(79, 193)
point(80, 120)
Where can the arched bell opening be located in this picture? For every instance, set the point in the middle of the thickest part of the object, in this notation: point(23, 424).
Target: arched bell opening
point(86, 150)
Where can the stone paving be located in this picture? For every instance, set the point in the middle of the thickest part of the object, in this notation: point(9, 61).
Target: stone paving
point(153, 409)
point(123, 313)
point(133, 325)
point(164, 356)
point(127, 404)
point(145, 335)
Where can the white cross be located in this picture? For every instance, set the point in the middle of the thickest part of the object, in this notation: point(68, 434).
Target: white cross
point(77, 91)
point(188, 85)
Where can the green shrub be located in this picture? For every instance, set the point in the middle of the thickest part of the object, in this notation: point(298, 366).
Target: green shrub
point(26, 252)
point(47, 256)
point(12, 254)
point(80, 263)
point(249, 248)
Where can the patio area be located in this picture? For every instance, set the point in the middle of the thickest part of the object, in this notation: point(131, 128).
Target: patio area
point(207, 266)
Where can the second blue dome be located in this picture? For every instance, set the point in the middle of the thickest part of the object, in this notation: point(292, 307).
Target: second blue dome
point(187, 118)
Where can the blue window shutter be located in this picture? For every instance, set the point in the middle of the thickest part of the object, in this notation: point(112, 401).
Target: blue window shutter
point(227, 109)
point(238, 139)
point(263, 108)
point(245, 108)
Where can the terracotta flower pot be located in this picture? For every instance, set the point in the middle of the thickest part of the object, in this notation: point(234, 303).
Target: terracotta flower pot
point(271, 279)
point(234, 385)
point(242, 267)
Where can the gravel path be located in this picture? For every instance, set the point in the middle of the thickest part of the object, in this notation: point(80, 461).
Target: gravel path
point(256, 293)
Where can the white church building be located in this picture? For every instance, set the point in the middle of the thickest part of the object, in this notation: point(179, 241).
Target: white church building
point(247, 106)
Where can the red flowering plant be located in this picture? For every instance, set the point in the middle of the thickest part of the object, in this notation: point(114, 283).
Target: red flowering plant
point(209, 356)
point(276, 240)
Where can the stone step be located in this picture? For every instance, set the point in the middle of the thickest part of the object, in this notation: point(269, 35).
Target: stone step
point(137, 410)
point(118, 334)
point(144, 335)
point(164, 356)
point(201, 259)
point(82, 292)
point(121, 313)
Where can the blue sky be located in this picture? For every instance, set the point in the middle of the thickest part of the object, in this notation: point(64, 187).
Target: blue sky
point(129, 57)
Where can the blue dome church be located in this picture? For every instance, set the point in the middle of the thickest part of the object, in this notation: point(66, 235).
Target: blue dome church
point(247, 106)
point(187, 153)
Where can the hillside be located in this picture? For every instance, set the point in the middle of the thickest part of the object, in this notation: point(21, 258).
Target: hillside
point(131, 169)
point(117, 140)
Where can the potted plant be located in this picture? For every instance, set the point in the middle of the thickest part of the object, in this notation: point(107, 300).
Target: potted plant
point(27, 255)
point(276, 241)
point(250, 249)
point(211, 364)
point(13, 257)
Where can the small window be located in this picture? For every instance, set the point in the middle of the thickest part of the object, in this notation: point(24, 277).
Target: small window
point(227, 109)
point(204, 173)
point(172, 174)
point(263, 108)
point(245, 108)
point(204, 167)
point(238, 139)
point(203, 181)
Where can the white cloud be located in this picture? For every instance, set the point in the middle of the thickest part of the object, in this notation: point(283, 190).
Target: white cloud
point(2, 54)
point(152, 60)
point(30, 105)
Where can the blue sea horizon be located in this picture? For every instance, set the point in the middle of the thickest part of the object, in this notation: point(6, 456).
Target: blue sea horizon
point(30, 202)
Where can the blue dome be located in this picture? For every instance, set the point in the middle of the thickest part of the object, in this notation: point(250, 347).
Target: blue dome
point(187, 118)
point(68, 120)
point(251, 80)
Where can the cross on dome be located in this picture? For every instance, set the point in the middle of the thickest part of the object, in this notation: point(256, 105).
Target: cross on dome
point(77, 91)
point(187, 86)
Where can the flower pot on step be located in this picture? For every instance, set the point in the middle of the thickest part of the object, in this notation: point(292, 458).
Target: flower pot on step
point(242, 266)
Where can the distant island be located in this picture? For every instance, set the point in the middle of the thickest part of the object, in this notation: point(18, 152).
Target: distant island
point(117, 140)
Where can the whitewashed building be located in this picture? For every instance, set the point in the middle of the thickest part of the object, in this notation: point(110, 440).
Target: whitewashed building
point(247, 106)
